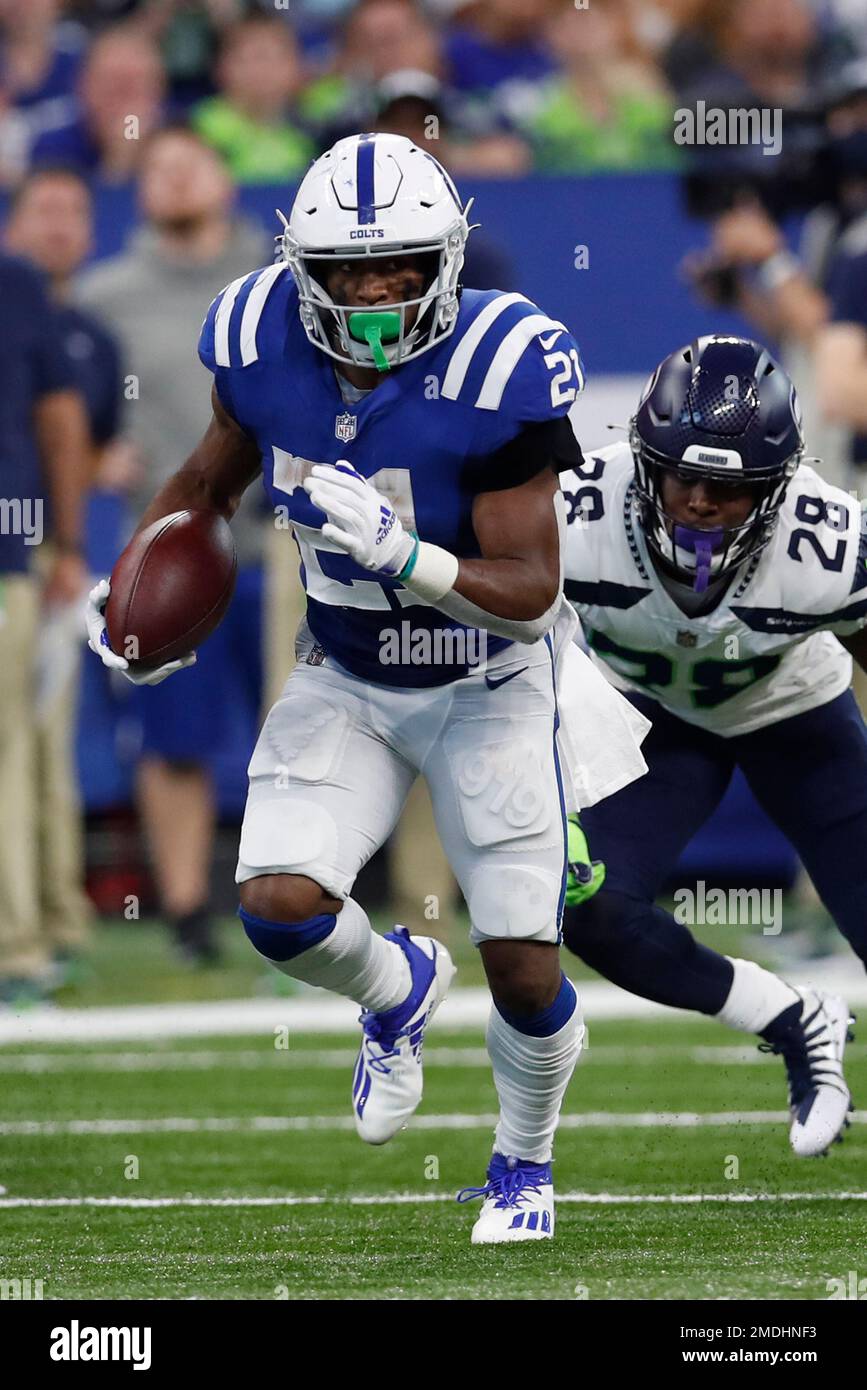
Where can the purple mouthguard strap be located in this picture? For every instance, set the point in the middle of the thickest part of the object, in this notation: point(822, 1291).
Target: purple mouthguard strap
point(701, 544)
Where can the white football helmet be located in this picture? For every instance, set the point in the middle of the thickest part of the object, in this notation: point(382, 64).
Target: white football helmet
point(376, 195)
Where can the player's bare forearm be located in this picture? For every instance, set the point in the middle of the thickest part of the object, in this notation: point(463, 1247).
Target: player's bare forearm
point(215, 476)
point(519, 574)
point(64, 445)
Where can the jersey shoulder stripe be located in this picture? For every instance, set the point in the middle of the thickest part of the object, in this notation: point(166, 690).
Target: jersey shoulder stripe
point(225, 305)
point(468, 345)
point(485, 356)
point(240, 324)
point(509, 353)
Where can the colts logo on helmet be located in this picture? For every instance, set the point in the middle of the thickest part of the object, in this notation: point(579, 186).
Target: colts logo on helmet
point(345, 427)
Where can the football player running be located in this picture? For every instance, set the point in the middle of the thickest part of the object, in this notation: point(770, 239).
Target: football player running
point(411, 435)
point(723, 584)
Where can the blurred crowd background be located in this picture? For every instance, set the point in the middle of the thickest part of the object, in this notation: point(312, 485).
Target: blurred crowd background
point(517, 84)
point(143, 147)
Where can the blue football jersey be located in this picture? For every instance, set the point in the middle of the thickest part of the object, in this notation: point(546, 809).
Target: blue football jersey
point(423, 437)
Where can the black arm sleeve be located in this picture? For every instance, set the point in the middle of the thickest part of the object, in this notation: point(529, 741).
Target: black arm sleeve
point(545, 444)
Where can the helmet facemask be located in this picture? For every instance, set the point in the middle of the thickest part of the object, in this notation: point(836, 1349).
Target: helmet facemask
point(379, 335)
point(700, 555)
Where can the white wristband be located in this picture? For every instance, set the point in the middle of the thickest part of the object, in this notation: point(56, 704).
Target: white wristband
point(433, 574)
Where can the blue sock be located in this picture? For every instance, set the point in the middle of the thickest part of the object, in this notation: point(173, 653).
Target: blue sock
point(550, 1020)
point(285, 940)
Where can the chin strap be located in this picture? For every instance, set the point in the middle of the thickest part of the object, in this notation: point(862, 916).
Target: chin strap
point(701, 544)
point(372, 328)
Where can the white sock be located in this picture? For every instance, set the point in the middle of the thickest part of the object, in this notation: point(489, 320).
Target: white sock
point(531, 1076)
point(756, 997)
point(356, 961)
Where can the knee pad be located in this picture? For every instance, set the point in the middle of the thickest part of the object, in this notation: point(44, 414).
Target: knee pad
point(283, 832)
point(514, 902)
point(281, 941)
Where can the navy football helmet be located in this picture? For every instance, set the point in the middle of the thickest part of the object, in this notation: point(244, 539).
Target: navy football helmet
point(722, 409)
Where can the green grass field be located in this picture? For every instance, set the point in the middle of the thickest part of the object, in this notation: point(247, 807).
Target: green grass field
point(227, 1168)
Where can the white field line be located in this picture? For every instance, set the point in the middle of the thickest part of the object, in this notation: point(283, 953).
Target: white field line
point(201, 1059)
point(614, 1199)
point(272, 1059)
point(314, 1011)
point(280, 1124)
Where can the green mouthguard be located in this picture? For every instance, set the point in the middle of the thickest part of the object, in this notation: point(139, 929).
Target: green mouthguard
point(373, 328)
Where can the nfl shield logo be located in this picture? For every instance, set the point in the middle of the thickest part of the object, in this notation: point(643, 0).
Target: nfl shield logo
point(344, 427)
point(687, 639)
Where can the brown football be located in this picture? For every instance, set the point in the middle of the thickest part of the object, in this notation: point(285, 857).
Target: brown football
point(170, 587)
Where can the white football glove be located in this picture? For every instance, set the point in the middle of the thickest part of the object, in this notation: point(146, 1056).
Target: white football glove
point(361, 521)
point(97, 640)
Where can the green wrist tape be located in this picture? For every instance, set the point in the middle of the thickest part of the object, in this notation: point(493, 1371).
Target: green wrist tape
point(410, 564)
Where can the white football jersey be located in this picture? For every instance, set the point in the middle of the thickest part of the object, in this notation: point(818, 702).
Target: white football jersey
point(767, 651)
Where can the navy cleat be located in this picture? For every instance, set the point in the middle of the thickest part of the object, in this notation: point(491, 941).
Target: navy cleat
point(518, 1202)
point(387, 1083)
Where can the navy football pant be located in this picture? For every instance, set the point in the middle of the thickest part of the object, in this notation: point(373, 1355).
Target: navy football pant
point(809, 773)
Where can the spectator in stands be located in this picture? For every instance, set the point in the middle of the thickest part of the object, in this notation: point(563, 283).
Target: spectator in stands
point(378, 38)
point(757, 52)
point(250, 121)
point(841, 348)
point(51, 225)
point(496, 41)
point(609, 108)
point(43, 467)
point(154, 297)
point(120, 102)
point(40, 57)
point(416, 105)
point(188, 32)
point(382, 42)
point(792, 297)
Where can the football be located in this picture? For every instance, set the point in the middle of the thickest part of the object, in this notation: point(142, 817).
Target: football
point(170, 587)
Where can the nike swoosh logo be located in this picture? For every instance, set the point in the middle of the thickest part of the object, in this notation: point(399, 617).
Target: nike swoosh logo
point(545, 343)
point(493, 683)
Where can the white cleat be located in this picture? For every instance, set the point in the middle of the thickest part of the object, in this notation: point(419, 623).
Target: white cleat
point(387, 1083)
point(812, 1050)
point(518, 1205)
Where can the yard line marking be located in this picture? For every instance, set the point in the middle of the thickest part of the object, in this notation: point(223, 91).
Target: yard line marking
point(315, 1011)
point(36, 1063)
point(39, 1063)
point(423, 1198)
point(279, 1124)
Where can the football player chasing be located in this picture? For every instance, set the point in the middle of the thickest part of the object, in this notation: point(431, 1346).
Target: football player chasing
point(411, 435)
point(723, 584)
